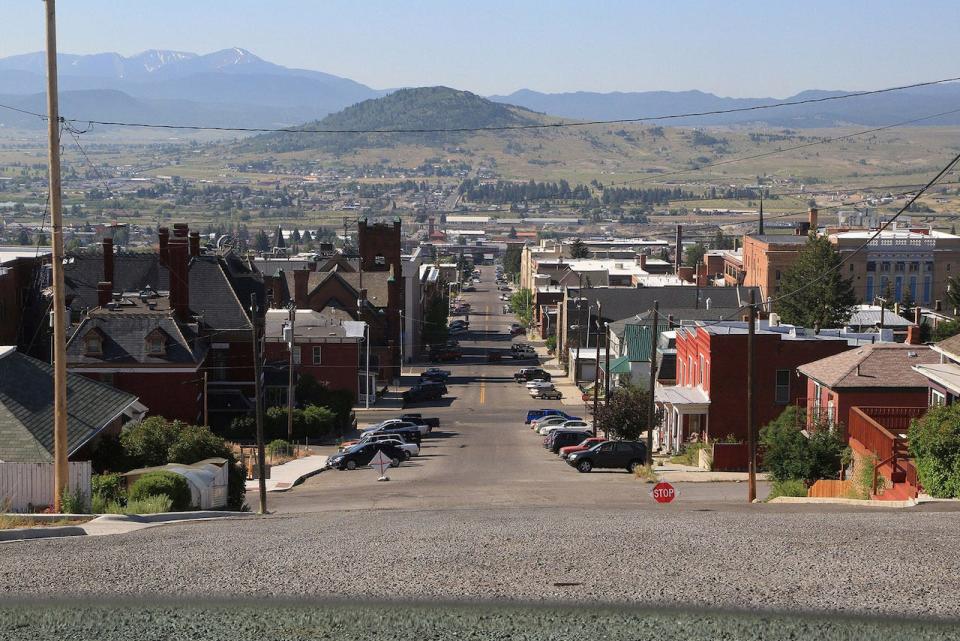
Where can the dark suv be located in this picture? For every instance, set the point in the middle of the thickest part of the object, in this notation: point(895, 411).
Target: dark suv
point(425, 391)
point(531, 374)
point(563, 438)
point(612, 454)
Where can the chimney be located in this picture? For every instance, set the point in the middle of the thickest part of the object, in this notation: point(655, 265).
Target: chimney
point(108, 260)
point(678, 260)
point(812, 219)
point(180, 230)
point(164, 236)
point(104, 293)
point(913, 335)
point(194, 244)
point(430, 225)
point(917, 315)
point(300, 279)
point(937, 306)
point(642, 261)
point(179, 277)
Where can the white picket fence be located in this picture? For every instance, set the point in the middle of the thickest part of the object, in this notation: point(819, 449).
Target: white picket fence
point(26, 485)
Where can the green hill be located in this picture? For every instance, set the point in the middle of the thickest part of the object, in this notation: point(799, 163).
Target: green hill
point(418, 108)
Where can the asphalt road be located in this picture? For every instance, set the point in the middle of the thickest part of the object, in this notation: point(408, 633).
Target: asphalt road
point(486, 514)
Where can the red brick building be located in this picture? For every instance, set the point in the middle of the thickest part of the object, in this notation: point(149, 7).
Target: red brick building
point(709, 398)
point(22, 276)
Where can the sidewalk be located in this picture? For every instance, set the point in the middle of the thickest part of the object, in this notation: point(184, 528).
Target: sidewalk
point(677, 473)
point(283, 477)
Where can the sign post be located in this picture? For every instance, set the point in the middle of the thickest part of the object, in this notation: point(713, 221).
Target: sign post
point(663, 492)
point(381, 463)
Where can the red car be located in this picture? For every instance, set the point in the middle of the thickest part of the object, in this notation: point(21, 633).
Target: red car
point(585, 445)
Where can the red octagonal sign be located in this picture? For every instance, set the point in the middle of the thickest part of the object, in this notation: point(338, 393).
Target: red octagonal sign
point(663, 492)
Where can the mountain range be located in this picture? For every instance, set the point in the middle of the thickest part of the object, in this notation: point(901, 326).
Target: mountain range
point(235, 88)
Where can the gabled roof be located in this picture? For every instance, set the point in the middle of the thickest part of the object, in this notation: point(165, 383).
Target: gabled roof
point(26, 409)
point(623, 302)
point(949, 347)
point(883, 365)
point(376, 284)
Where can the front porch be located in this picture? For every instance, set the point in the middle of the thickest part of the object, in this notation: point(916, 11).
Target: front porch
point(685, 412)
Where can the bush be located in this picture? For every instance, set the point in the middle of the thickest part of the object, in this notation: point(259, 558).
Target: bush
point(109, 455)
point(195, 443)
point(147, 444)
point(107, 488)
point(148, 505)
point(74, 502)
point(787, 487)
point(173, 486)
point(279, 447)
point(551, 343)
point(789, 455)
point(935, 445)
point(645, 473)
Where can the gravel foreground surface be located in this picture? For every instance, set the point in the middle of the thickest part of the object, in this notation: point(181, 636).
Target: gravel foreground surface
point(386, 622)
point(901, 563)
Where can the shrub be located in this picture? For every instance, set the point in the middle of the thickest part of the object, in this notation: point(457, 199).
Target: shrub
point(935, 445)
point(787, 487)
point(645, 473)
point(107, 488)
point(74, 502)
point(148, 443)
point(195, 443)
point(552, 343)
point(861, 485)
point(109, 455)
point(279, 447)
point(149, 505)
point(788, 454)
point(173, 486)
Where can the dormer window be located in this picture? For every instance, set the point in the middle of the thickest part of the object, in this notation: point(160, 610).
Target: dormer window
point(93, 344)
point(156, 343)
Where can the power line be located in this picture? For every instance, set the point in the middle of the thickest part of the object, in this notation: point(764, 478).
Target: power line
point(556, 125)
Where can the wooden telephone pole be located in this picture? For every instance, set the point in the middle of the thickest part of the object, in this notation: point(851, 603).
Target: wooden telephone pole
point(61, 469)
point(596, 376)
point(261, 455)
point(290, 382)
point(751, 437)
point(652, 410)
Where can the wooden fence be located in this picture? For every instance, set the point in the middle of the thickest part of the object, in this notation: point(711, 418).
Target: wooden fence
point(29, 486)
point(826, 488)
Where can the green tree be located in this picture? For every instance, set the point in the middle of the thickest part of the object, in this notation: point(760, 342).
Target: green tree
point(953, 292)
point(513, 232)
point(521, 303)
point(694, 254)
point(789, 454)
point(813, 291)
point(261, 241)
point(625, 415)
point(579, 249)
point(945, 330)
point(907, 304)
point(935, 445)
point(511, 259)
point(23, 238)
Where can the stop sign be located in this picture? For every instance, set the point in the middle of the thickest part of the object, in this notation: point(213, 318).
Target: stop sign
point(663, 492)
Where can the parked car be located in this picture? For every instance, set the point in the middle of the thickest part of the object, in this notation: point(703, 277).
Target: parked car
point(611, 455)
point(409, 449)
point(494, 357)
point(435, 374)
point(532, 415)
point(538, 383)
point(362, 453)
point(586, 444)
point(546, 421)
point(416, 417)
point(566, 425)
point(530, 373)
point(563, 438)
point(456, 330)
point(518, 331)
point(469, 288)
point(446, 354)
point(552, 393)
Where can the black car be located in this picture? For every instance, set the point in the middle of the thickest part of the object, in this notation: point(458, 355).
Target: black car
point(563, 438)
point(531, 374)
point(411, 434)
point(418, 418)
point(610, 454)
point(362, 453)
point(425, 391)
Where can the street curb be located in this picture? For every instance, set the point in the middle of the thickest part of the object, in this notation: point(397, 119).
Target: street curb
point(842, 501)
point(143, 520)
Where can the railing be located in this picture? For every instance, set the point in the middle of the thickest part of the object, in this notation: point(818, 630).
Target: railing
point(882, 430)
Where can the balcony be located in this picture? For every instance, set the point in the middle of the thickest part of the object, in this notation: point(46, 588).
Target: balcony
point(883, 432)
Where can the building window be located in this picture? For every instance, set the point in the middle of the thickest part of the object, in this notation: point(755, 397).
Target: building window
point(915, 266)
point(782, 393)
point(316, 355)
point(884, 266)
point(701, 370)
point(93, 344)
point(937, 398)
point(156, 346)
point(898, 288)
point(900, 265)
point(869, 296)
point(380, 260)
point(927, 289)
point(815, 403)
point(913, 288)
point(778, 274)
point(871, 266)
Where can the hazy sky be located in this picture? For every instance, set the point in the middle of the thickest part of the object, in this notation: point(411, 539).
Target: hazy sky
point(734, 48)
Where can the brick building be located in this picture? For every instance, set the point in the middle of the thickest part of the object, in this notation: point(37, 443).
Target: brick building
point(24, 272)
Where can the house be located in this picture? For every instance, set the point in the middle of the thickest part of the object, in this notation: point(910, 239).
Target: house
point(95, 410)
point(708, 400)
point(943, 376)
point(218, 285)
point(327, 345)
point(879, 375)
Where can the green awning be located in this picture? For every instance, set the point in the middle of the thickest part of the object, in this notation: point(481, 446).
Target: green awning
point(619, 365)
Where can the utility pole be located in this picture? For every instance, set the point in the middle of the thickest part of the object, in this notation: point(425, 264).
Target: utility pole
point(751, 438)
point(206, 398)
point(596, 376)
point(606, 363)
point(61, 469)
point(652, 410)
point(261, 456)
point(292, 343)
